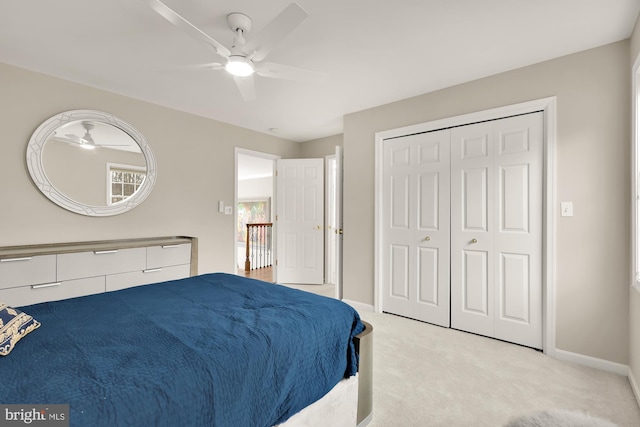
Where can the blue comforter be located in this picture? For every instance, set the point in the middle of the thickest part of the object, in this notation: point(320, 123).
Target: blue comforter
point(211, 350)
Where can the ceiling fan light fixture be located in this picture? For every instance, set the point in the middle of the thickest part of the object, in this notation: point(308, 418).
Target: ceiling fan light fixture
point(87, 141)
point(239, 66)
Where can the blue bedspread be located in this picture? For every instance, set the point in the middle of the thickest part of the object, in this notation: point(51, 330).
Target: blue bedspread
point(212, 350)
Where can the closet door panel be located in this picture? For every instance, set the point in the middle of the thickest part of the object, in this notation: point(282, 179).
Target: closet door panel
point(498, 293)
point(416, 192)
point(472, 210)
point(518, 238)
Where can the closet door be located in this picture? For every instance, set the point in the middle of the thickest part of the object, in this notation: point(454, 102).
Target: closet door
point(496, 229)
point(416, 227)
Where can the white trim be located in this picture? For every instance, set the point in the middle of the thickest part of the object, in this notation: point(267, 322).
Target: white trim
point(262, 155)
point(548, 107)
point(358, 306)
point(634, 386)
point(635, 169)
point(592, 362)
point(328, 204)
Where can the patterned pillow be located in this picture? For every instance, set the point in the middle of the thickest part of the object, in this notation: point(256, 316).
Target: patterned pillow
point(14, 325)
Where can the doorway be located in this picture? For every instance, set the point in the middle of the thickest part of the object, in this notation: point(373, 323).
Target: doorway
point(254, 204)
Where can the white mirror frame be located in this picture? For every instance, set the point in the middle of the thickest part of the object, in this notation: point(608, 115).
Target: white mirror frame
point(40, 179)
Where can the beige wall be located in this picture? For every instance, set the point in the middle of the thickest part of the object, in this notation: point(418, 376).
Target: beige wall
point(634, 294)
point(319, 148)
point(592, 90)
point(195, 160)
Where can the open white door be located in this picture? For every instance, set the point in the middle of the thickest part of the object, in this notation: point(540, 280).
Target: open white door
point(300, 221)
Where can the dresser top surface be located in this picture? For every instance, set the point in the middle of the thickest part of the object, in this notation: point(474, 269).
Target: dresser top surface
point(98, 245)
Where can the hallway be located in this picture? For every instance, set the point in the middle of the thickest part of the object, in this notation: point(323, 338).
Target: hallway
point(264, 273)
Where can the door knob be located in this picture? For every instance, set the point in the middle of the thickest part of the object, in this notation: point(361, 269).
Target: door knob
point(339, 231)
point(427, 238)
point(317, 227)
point(474, 240)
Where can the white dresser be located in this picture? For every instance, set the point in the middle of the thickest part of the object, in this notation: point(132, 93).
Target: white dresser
point(38, 273)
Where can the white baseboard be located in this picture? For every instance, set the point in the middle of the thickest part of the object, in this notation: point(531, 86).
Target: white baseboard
point(358, 305)
point(634, 386)
point(592, 362)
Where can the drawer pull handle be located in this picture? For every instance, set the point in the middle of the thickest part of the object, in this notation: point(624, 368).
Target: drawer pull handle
point(170, 246)
point(105, 252)
point(16, 259)
point(46, 285)
point(152, 270)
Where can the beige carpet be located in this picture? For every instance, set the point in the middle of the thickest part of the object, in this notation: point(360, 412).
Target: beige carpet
point(425, 375)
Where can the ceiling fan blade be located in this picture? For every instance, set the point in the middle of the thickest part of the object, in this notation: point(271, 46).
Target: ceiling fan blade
point(212, 66)
point(246, 87)
point(276, 30)
point(73, 138)
point(285, 72)
point(65, 140)
point(177, 20)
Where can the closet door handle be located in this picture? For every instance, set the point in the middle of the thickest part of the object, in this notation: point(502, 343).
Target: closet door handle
point(474, 240)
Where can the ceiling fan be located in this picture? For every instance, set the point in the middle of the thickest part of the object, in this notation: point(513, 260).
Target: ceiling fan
point(85, 141)
point(246, 58)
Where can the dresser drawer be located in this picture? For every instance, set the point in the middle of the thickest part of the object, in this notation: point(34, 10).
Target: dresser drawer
point(168, 255)
point(126, 280)
point(98, 263)
point(34, 294)
point(16, 272)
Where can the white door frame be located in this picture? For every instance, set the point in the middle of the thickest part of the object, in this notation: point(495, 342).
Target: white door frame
point(548, 107)
point(262, 155)
point(333, 206)
point(329, 208)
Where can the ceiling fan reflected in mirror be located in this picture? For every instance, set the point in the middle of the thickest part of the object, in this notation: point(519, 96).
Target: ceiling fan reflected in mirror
point(245, 58)
point(86, 141)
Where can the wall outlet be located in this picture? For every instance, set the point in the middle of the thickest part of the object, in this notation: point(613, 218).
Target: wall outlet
point(228, 210)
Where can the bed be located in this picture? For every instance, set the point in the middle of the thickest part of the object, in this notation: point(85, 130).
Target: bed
point(209, 350)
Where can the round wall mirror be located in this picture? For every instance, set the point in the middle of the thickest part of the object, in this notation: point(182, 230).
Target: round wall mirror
point(91, 163)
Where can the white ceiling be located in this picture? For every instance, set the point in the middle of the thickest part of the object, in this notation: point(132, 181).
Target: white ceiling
point(372, 51)
point(252, 167)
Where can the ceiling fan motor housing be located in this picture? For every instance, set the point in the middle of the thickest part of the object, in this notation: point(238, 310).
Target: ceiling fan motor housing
point(239, 21)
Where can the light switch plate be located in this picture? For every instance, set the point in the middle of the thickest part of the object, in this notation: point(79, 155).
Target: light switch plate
point(221, 206)
point(566, 208)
